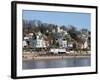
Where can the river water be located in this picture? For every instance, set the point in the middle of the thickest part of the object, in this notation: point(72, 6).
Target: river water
point(71, 62)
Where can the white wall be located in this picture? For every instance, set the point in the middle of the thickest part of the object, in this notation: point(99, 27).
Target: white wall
point(5, 30)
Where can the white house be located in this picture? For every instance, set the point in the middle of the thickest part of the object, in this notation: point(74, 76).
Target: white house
point(61, 38)
point(39, 41)
point(85, 44)
point(62, 42)
point(24, 43)
point(59, 30)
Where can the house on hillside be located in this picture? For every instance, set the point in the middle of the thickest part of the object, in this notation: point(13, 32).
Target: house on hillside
point(61, 38)
point(87, 41)
point(39, 40)
point(25, 42)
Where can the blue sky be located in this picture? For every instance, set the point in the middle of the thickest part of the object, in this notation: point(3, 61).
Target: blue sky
point(79, 20)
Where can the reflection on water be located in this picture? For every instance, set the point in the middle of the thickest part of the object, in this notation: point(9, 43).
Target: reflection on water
point(38, 64)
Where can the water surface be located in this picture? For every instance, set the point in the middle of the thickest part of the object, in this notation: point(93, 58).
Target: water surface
point(71, 62)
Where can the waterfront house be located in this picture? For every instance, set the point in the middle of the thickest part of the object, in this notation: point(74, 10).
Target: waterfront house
point(24, 43)
point(86, 37)
point(38, 40)
point(62, 38)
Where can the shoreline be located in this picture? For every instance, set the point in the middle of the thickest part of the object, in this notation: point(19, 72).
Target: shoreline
point(52, 57)
point(31, 56)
